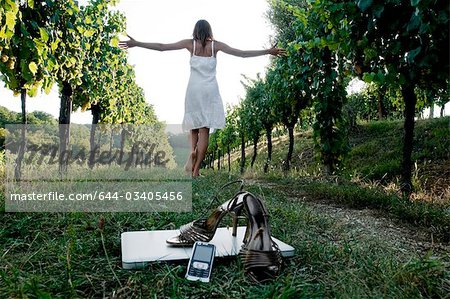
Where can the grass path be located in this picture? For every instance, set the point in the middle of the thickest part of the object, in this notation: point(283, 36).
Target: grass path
point(369, 222)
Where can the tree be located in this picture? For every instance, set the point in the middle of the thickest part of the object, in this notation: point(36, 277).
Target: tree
point(252, 114)
point(228, 134)
point(290, 93)
point(406, 45)
point(318, 38)
point(108, 85)
point(213, 145)
point(258, 92)
point(24, 55)
point(242, 136)
point(268, 118)
point(24, 51)
point(375, 101)
point(65, 34)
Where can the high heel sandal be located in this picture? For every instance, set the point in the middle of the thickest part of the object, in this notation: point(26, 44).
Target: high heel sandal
point(260, 255)
point(204, 229)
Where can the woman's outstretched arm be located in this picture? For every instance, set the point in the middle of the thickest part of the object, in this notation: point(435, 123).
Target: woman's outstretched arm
point(249, 53)
point(182, 44)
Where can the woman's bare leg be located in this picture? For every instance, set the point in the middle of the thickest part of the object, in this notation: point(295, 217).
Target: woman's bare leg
point(202, 146)
point(193, 138)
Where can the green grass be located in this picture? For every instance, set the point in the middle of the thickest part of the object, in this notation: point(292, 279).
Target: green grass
point(376, 147)
point(375, 154)
point(62, 256)
point(435, 217)
point(68, 255)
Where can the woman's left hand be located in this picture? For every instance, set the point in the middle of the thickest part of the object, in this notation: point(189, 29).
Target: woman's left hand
point(277, 51)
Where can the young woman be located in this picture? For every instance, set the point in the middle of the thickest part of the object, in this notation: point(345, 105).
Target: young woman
point(203, 104)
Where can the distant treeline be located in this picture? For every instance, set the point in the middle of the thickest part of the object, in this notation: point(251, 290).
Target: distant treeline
point(10, 117)
point(36, 117)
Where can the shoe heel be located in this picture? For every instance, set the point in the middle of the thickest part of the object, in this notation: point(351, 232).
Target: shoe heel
point(235, 224)
point(236, 215)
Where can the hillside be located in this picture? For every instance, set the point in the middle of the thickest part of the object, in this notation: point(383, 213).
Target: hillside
point(374, 156)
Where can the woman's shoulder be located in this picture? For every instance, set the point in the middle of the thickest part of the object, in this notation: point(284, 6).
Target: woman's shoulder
point(219, 45)
point(187, 43)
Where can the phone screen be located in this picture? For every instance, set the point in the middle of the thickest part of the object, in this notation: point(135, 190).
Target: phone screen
point(203, 253)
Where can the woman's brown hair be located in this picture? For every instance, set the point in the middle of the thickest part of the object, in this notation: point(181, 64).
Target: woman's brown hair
point(202, 32)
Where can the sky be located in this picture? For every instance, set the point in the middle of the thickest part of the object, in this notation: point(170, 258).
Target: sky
point(164, 75)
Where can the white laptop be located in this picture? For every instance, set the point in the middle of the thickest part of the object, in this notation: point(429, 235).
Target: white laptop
point(142, 247)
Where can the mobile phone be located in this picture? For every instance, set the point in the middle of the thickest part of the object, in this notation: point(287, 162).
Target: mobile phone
point(201, 261)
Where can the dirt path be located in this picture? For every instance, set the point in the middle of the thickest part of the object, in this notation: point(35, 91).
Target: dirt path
point(371, 222)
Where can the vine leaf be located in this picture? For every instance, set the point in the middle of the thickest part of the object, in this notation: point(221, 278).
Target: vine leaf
point(33, 67)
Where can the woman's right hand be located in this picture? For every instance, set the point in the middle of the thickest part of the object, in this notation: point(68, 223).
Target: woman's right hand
point(128, 44)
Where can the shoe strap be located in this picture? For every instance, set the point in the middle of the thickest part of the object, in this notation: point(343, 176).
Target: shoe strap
point(215, 198)
point(232, 203)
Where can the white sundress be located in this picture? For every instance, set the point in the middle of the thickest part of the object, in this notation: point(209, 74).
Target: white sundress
point(203, 105)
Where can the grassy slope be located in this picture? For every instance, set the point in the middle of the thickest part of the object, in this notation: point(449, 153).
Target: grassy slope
point(375, 155)
point(377, 150)
point(61, 255)
point(370, 173)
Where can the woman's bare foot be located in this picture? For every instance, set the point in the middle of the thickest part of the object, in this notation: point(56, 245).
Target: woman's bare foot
point(194, 159)
point(189, 166)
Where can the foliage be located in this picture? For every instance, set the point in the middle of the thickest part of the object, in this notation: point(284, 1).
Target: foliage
point(373, 102)
point(321, 31)
point(398, 45)
point(327, 40)
point(58, 41)
point(10, 117)
point(252, 114)
point(228, 134)
point(404, 44)
point(46, 41)
point(108, 84)
point(69, 31)
point(23, 46)
point(288, 87)
point(9, 13)
point(7, 117)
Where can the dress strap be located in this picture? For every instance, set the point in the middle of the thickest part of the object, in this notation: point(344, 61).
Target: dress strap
point(193, 42)
point(212, 49)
